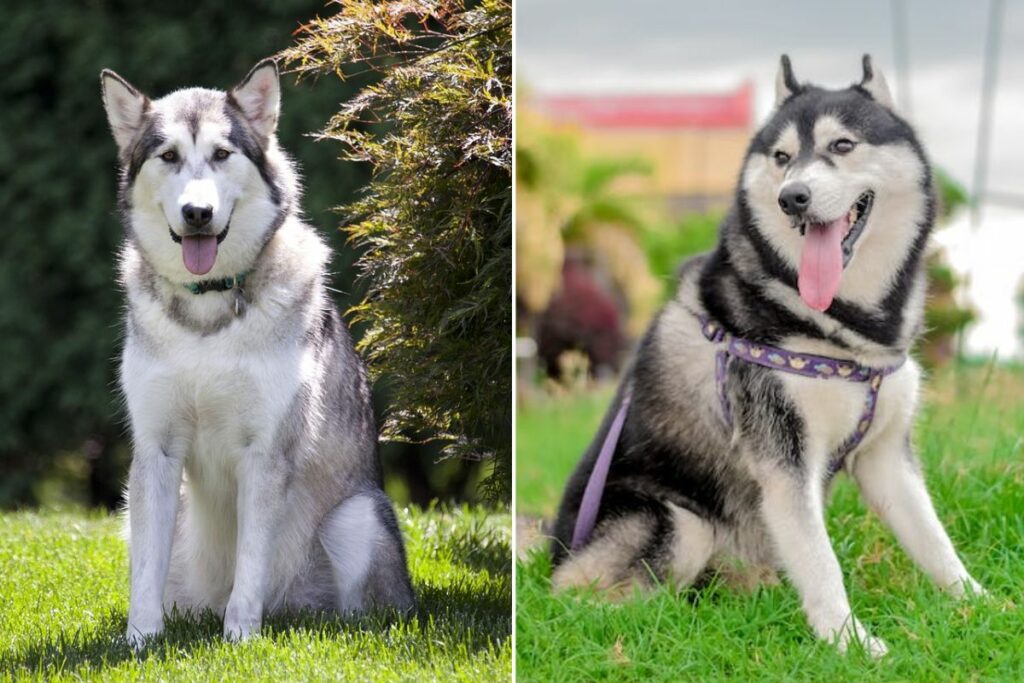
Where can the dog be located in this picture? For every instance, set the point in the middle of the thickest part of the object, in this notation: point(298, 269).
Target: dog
point(781, 360)
point(255, 486)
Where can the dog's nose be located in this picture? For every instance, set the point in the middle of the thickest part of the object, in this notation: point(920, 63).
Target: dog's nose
point(794, 199)
point(197, 216)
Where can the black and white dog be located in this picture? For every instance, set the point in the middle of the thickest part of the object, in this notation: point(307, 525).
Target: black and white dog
point(782, 360)
point(240, 376)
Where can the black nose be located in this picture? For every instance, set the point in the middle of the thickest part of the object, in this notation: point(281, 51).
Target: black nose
point(197, 216)
point(795, 199)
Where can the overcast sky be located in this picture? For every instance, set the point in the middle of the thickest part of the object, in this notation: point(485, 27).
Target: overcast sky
point(647, 46)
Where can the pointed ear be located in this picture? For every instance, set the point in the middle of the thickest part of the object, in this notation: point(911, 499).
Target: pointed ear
point(125, 106)
point(258, 96)
point(874, 82)
point(785, 82)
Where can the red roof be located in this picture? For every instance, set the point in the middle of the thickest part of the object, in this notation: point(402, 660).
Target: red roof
point(729, 110)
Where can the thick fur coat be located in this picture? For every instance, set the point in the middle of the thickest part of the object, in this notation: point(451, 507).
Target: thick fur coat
point(255, 484)
point(820, 254)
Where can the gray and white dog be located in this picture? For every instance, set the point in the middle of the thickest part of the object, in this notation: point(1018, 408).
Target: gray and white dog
point(722, 455)
point(240, 377)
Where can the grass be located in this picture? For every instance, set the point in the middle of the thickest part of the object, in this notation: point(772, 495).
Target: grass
point(64, 599)
point(971, 438)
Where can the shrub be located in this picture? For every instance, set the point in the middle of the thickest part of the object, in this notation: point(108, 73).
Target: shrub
point(668, 247)
point(435, 223)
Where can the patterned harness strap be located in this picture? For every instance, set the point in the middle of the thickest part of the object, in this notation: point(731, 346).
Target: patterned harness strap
point(805, 364)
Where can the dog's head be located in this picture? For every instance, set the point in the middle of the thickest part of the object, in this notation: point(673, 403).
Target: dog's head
point(199, 183)
point(836, 180)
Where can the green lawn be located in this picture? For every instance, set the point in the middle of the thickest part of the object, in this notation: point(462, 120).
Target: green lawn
point(971, 435)
point(64, 598)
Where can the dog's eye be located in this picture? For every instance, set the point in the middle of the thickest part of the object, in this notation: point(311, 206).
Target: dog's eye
point(842, 146)
point(781, 158)
point(169, 156)
point(221, 154)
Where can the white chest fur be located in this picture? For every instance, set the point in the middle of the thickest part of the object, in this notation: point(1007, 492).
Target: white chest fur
point(832, 407)
point(215, 396)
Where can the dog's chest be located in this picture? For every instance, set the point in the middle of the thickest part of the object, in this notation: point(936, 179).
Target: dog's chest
point(833, 409)
point(214, 398)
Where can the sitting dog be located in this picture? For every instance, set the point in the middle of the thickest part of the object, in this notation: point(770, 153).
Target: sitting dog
point(240, 377)
point(782, 360)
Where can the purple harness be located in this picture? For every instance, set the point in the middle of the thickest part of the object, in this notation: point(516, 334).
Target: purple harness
point(804, 364)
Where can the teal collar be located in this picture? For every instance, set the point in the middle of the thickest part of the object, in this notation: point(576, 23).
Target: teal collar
point(222, 284)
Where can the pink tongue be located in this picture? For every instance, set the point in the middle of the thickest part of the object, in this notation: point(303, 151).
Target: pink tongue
point(821, 263)
point(199, 252)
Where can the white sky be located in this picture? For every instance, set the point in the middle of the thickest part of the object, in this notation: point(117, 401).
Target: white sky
point(648, 46)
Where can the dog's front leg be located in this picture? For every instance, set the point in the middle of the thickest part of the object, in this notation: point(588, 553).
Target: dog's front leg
point(890, 480)
point(793, 512)
point(153, 489)
point(261, 491)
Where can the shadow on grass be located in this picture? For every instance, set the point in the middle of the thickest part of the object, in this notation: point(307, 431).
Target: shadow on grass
point(459, 616)
point(104, 645)
point(483, 553)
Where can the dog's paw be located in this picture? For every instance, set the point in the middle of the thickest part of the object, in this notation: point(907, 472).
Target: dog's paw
point(237, 629)
point(853, 636)
point(874, 647)
point(967, 588)
point(138, 635)
point(242, 619)
point(237, 632)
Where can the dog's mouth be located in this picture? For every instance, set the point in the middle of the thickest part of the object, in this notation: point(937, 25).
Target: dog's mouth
point(827, 250)
point(199, 251)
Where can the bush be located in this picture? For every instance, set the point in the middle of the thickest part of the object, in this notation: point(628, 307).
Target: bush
point(668, 247)
point(436, 221)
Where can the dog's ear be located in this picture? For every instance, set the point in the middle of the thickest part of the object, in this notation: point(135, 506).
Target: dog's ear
point(125, 105)
point(785, 82)
point(259, 97)
point(874, 82)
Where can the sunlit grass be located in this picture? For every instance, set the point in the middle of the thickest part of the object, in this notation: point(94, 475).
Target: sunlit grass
point(970, 435)
point(64, 597)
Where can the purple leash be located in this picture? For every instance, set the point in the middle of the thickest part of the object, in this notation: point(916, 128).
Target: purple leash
point(587, 514)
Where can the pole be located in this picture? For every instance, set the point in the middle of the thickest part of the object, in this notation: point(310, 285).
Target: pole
point(988, 92)
point(900, 44)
